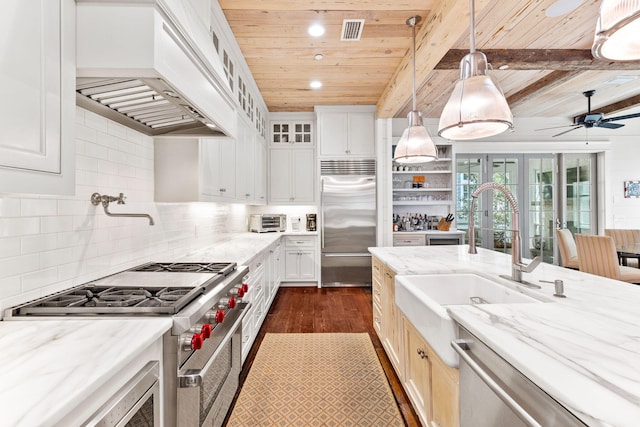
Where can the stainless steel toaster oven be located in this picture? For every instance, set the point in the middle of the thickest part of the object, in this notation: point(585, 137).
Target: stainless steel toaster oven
point(263, 223)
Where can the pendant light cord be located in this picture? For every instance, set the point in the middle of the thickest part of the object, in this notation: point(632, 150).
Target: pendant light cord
point(413, 25)
point(472, 26)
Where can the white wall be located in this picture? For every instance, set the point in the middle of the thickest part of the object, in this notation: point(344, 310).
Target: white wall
point(52, 243)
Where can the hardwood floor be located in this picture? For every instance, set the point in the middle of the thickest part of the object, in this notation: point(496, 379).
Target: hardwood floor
point(309, 309)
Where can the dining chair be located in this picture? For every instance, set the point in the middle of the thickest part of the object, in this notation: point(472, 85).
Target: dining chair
point(622, 236)
point(568, 251)
point(598, 255)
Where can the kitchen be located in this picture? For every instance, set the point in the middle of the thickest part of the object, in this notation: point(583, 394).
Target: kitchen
point(57, 239)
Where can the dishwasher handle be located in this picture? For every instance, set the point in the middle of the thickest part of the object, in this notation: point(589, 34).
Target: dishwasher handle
point(461, 347)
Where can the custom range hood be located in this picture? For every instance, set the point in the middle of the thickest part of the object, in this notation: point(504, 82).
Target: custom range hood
point(151, 66)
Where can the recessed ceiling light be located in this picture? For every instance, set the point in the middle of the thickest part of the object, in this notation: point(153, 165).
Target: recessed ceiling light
point(316, 30)
point(318, 56)
point(562, 7)
point(315, 84)
point(211, 125)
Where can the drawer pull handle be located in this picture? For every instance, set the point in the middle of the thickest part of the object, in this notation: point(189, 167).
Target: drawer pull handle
point(422, 354)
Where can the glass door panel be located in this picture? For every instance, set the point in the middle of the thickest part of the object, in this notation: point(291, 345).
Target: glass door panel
point(538, 236)
point(468, 177)
point(580, 197)
point(505, 171)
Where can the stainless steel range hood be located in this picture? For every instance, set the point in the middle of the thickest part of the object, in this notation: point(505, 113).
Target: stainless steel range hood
point(149, 106)
point(141, 65)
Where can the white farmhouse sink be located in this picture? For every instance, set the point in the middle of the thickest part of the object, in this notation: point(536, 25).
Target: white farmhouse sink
point(424, 300)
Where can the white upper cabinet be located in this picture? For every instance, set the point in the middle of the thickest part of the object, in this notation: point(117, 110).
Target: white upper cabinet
point(218, 158)
point(37, 80)
point(192, 169)
point(346, 131)
point(292, 176)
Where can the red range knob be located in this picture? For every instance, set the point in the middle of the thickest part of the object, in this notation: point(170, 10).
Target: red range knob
point(245, 287)
point(240, 292)
point(219, 316)
point(207, 329)
point(232, 302)
point(196, 341)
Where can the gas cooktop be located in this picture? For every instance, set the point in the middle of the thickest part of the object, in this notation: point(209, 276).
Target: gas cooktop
point(137, 291)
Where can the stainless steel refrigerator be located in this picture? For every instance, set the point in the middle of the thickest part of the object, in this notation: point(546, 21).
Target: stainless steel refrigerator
point(348, 221)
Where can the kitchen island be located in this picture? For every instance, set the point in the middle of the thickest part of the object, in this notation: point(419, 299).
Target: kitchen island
point(582, 350)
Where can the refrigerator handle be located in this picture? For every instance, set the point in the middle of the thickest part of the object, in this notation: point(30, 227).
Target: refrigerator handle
point(321, 213)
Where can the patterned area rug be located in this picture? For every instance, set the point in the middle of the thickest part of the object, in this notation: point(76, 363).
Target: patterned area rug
point(316, 379)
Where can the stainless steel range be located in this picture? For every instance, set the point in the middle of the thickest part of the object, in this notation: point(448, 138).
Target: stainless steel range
point(202, 352)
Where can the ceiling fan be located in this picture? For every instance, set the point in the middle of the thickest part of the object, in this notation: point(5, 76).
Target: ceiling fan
point(591, 120)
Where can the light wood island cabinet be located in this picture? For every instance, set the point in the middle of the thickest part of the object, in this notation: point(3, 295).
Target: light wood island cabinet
point(432, 386)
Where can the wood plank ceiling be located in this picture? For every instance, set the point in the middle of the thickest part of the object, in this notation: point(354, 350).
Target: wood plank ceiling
point(548, 58)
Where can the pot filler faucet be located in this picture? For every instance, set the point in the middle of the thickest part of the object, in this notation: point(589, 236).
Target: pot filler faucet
point(96, 199)
point(517, 267)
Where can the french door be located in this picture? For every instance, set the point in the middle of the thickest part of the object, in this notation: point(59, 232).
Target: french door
point(551, 190)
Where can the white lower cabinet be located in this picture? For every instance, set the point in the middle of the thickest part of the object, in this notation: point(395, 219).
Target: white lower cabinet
point(300, 254)
point(265, 271)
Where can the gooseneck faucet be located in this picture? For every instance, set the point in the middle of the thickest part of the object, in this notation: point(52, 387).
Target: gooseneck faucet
point(517, 266)
point(97, 198)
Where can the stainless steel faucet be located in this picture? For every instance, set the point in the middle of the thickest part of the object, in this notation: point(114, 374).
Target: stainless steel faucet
point(517, 266)
point(97, 198)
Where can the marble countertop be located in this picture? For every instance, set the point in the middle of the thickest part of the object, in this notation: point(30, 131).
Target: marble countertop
point(240, 248)
point(47, 367)
point(583, 350)
point(452, 231)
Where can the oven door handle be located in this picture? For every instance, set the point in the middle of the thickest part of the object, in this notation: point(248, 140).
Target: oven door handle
point(193, 377)
point(461, 347)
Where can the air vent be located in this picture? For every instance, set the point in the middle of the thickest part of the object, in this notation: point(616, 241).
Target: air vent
point(347, 167)
point(352, 29)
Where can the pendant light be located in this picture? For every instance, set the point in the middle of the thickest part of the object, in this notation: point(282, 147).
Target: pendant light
point(617, 31)
point(415, 144)
point(477, 107)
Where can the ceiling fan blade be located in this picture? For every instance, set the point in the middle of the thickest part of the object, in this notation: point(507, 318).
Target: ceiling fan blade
point(609, 125)
point(628, 116)
point(555, 127)
point(567, 131)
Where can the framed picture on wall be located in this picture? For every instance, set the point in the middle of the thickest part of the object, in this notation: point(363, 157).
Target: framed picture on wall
point(631, 189)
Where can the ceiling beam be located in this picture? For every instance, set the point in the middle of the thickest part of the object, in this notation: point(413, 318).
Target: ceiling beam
point(538, 59)
point(440, 30)
point(548, 82)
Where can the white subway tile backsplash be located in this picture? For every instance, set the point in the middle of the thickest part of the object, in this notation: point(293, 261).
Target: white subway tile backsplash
point(56, 224)
point(38, 279)
point(98, 151)
point(56, 257)
point(10, 287)
point(86, 134)
point(9, 247)
point(9, 207)
point(86, 163)
point(39, 243)
point(52, 243)
point(19, 226)
point(95, 121)
point(116, 129)
point(22, 264)
point(38, 207)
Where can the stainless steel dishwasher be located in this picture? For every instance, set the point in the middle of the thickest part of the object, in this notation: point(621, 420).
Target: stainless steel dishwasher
point(494, 393)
